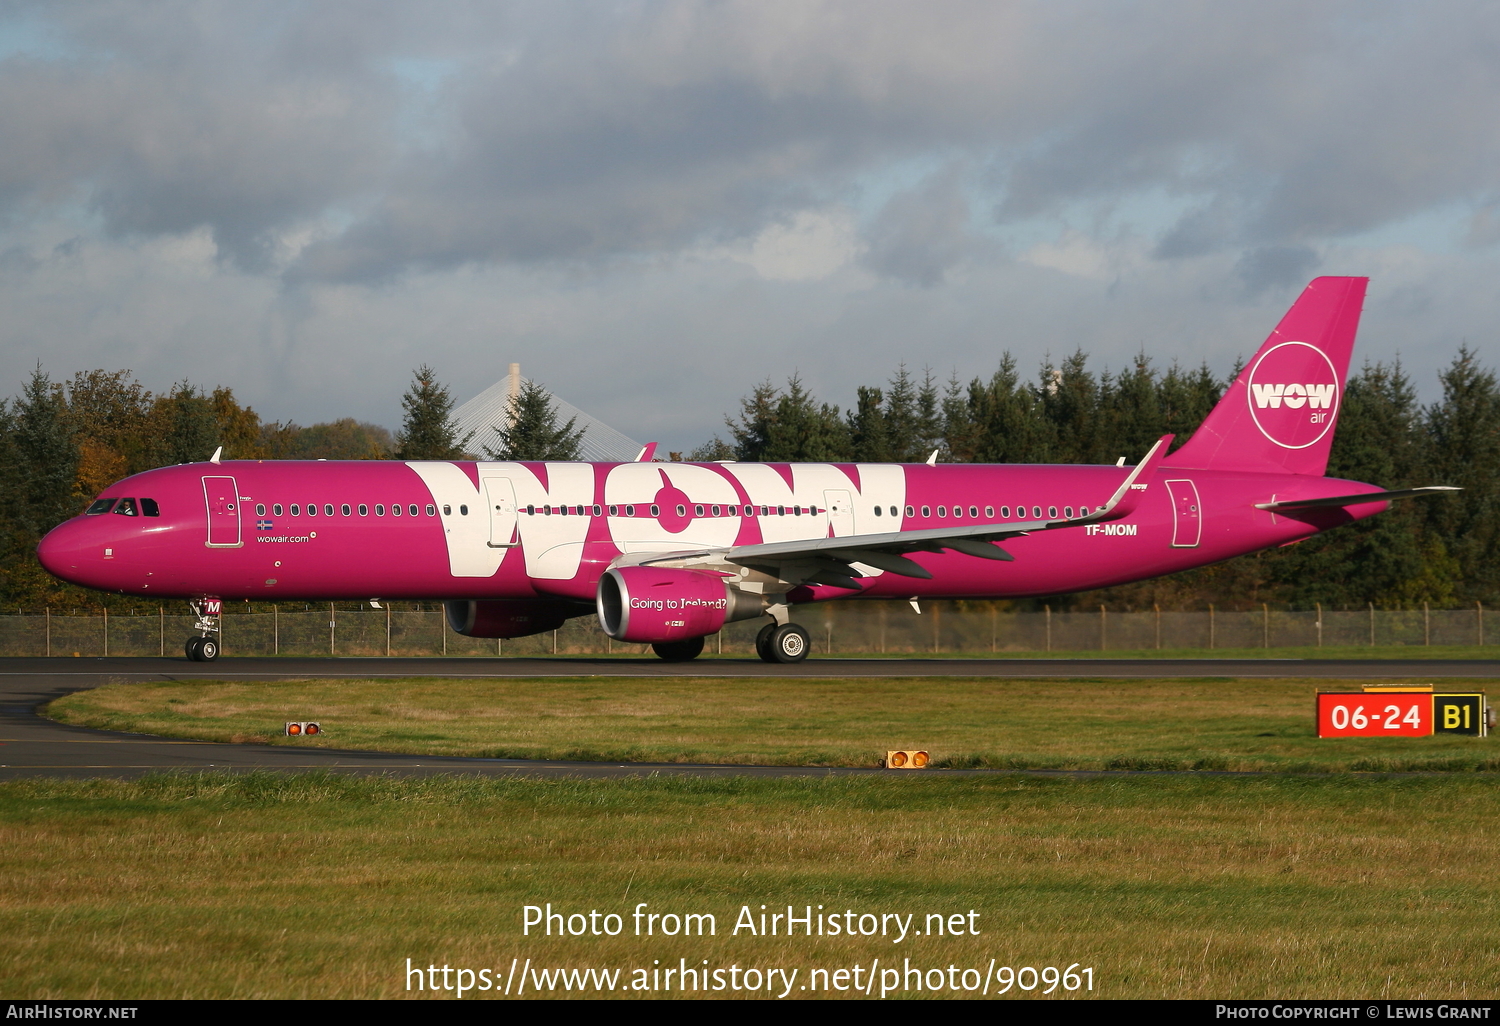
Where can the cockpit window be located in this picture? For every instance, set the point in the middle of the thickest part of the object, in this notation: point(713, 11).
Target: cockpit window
point(100, 506)
point(126, 508)
point(150, 508)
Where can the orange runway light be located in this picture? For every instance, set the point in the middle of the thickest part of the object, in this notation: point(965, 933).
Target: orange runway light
point(908, 759)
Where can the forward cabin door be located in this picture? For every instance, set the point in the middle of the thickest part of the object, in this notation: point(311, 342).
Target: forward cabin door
point(840, 512)
point(222, 497)
point(500, 497)
point(1187, 525)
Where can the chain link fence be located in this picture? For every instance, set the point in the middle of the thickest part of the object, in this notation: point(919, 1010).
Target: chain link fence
point(848, 628)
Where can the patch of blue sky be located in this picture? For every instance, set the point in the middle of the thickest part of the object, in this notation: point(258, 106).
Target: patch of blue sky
point(34, 37)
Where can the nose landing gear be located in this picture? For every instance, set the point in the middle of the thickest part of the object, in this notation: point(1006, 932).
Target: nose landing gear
point(204, 648)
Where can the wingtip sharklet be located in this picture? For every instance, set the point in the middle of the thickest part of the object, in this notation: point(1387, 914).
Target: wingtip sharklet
point(1128, 496)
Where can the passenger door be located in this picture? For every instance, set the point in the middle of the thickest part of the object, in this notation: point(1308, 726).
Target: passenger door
point(222, 497)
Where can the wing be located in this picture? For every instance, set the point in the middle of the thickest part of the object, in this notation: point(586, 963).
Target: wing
point(832, 561)
point(1355, 500)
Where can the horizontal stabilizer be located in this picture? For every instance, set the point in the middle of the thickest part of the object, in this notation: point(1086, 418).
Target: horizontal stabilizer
point(1356, 500)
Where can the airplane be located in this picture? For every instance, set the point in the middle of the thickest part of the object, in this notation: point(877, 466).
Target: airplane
point(667, 553)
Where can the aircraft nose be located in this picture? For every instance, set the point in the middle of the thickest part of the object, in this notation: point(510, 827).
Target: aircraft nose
point(63, 551)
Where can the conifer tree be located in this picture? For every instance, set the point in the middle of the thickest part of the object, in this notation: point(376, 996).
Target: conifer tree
point(533, 432)
point(428, 431)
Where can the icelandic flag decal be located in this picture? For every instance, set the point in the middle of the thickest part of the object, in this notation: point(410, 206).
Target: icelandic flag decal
point(264, 525)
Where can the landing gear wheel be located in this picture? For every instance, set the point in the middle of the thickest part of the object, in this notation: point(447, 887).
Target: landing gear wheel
point(788, 644)
point(191, 649)
point(763, 643)
point(678, 651)
point(208, 649)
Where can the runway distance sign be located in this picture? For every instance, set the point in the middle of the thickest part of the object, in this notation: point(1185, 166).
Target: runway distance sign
point(1361, 714)
point(1393, 713)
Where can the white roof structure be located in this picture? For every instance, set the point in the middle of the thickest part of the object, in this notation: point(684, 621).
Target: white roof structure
point(481, 414)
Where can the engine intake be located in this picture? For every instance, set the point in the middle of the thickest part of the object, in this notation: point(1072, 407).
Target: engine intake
point(656, 604)
point(507, 618)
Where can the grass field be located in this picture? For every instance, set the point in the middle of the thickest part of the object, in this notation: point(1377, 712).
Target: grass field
point(1213, 724)
point(322, 887)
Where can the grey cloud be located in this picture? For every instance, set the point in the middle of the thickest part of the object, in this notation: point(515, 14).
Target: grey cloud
point(590, 132)
point(1273, 267)
point(922, 232)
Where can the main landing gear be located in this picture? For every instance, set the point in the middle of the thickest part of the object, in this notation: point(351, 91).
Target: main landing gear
point(204, 648)
point(782, 643)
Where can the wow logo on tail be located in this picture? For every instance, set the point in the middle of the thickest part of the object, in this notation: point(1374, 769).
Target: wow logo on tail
point(1294, 394)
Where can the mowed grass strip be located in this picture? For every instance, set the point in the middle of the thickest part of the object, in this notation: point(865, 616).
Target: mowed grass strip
point(315, 886)
point(1210, 724)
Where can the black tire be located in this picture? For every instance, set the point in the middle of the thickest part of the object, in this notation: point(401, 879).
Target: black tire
point(208, 649)
point(789, 644)
point(191, 649)
point(763, 642)
point(678, 651)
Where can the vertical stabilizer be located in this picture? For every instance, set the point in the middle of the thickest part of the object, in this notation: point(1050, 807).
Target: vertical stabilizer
point(1280, 412)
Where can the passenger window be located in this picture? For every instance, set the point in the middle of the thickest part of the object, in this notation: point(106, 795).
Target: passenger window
point(296, 510)
point(276, 509)
point(715, 511)
point(448, 510)
point(412, 509)
point(1051, 512)
point(655, 510)
point(260, 509)
point(796, 511)
point(1068, 512)
point(682, 511)
point(100, 506)
point(911, 511)
point(877, 511)
point(942, 511)
point(150, 508)
point(395, 509)
point(463, 511)
point(328, 509)
point(344, 509)
point(974, 512)
point(380, 509)
point(126, 508)
point(614, 511)
point(927, 511)
point(989, 512)
point(1004, 512)
point(697, 511)
point(312, 509)
point(781, 511)
point(598, 512)
point(630, 511)
point(431, 510)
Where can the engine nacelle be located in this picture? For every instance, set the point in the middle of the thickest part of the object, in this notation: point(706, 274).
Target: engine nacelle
point(507, 618)
point(655, 604)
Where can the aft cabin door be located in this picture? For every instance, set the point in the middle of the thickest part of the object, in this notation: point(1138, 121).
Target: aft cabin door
point(222, 496)
point(500, 496)
point(1187, 525)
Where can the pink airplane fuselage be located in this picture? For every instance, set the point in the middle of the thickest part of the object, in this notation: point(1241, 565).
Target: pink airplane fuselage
point(228, 529)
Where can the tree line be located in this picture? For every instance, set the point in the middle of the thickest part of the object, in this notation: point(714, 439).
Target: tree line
point(62, 442)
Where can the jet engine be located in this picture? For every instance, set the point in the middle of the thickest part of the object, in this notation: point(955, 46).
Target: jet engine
point(662, 604)
point(507, 618)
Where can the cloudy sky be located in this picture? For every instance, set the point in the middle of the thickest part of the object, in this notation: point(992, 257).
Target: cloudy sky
point(651, 206)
